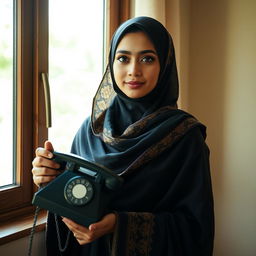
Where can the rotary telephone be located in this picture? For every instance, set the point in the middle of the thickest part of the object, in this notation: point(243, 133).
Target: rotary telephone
point(82, 192)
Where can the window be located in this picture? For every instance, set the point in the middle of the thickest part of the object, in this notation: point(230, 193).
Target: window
point(75, 65)
point(24, 47)
point(16, 195)
point(7, 93)
point(76, 61)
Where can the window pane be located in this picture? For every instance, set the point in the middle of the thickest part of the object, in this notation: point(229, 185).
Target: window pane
point(6, 92)
point(75, 64)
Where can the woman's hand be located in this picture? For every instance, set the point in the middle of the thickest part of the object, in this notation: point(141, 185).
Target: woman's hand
point(44, 169)
point(86, 235)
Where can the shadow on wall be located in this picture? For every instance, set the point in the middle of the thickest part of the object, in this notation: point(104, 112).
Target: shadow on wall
point(206, 85)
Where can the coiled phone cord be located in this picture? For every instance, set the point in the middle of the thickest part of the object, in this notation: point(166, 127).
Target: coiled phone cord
point(32, 232)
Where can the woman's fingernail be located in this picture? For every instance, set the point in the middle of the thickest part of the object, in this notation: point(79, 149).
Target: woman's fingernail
point(92, 228)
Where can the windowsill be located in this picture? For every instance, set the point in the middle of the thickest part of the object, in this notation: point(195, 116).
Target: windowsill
point(20, 227)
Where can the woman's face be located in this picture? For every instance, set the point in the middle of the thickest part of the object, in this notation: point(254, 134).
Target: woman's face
point(136, 65)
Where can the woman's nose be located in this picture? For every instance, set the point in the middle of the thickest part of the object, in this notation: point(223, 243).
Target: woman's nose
point(134, 69)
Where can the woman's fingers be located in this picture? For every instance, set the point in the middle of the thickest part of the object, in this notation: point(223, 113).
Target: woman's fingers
point(44, 168)
point(86, 235)
point(48, 146)
point(44, 153)
point(43, 174)
point(40, 161)
point(44, 171)
point(81, 233)
point(39, 180)
point(105, 225)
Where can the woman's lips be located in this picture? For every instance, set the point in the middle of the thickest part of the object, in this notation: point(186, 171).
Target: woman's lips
point(134, 84)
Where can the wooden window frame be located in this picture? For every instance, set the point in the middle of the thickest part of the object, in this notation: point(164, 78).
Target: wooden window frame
point(32, 60)
point(16, 200)
point(118, 11)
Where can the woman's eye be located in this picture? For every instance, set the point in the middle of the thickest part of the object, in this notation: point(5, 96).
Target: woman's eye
point(148, 59)
point(122, 58)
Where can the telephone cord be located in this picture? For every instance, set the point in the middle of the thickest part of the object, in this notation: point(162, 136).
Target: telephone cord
point(32, 232)
point(58, 235)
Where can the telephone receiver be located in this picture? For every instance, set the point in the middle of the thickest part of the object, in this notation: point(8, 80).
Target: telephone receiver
point(82, 192)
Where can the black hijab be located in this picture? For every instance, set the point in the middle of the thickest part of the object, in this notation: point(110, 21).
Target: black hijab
point(167, 89)
point(165, 204)
point(122, 128)
point(162, 41)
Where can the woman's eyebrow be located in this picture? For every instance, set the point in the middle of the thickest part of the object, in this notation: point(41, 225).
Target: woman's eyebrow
point(141, 52)
point(148, 51)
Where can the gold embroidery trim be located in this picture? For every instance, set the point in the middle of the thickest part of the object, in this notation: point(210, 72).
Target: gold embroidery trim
point(163, 144)
point(139, 233)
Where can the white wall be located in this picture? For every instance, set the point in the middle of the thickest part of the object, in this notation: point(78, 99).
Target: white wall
point(20, 246)
point(219, 87)
point(151, 8)
point(215, 44)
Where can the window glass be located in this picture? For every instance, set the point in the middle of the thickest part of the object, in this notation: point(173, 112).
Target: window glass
point(76, 32)
point(7, 83)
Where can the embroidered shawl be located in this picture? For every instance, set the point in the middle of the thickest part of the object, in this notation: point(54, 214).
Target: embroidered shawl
point(165, 206)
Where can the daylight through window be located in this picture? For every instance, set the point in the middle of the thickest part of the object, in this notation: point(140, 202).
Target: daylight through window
point(75, 64)
point(7, 83)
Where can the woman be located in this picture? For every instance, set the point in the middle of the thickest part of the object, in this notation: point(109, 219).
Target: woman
point(165, 206)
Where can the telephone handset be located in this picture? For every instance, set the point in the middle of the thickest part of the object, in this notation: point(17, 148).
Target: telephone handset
point(82, 192)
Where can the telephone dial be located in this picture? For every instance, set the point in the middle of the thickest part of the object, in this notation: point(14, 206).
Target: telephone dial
point(82, 192)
